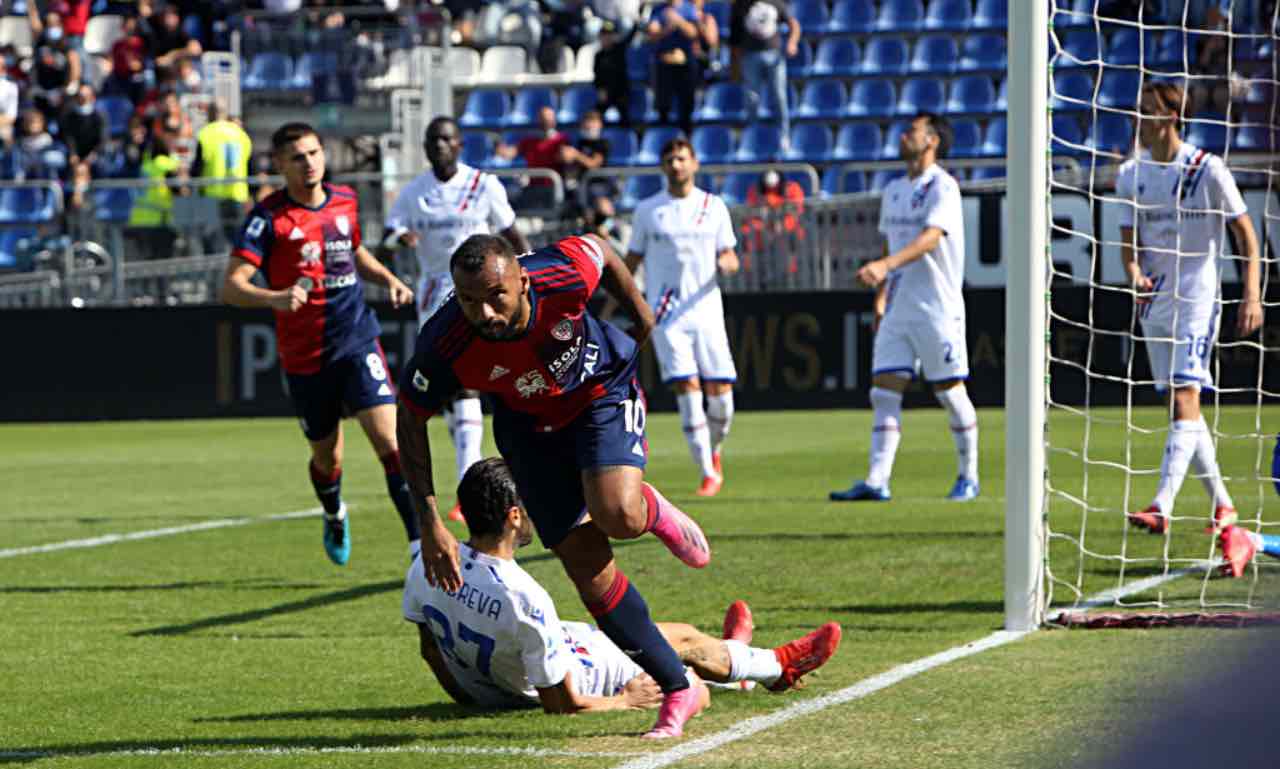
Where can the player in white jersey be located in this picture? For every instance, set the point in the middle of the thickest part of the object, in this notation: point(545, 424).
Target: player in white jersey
point(919, 309)
point(1179, 201)
point(433, 214)
point(498, 642)
point(684, 236)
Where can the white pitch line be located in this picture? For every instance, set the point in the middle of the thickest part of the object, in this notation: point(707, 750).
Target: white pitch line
point(341, 749)
point(1141, 586)
point(111, 539)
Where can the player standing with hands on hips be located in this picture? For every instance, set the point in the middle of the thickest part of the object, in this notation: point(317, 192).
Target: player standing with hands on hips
point(433, 214)
point(684, 236)
point(305, 240)
point(920, 312)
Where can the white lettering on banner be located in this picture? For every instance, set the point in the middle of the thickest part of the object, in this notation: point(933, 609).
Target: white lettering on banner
point(257, 354)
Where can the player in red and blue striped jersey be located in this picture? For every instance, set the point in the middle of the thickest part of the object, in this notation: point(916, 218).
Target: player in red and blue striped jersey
point(305, 240)
point(569, 420)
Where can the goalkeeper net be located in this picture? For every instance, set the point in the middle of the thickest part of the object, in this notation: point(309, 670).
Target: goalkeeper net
point(1108, 428)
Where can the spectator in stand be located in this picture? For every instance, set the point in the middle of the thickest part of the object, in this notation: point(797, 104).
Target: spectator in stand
point(166, 39)
point(589, 152)
point(172, 122)
point(189, 79)
point(129, 76)
point(771, 235)
point(760, 55)
point(464, 14)
point(222, 151)
point(75, 18)
point(494, 12)
point(261, 187)
point(56, 67)
point(8, 104)
point(544, 150)
point(150, 233)
point(708, 49)
point(570, 25)
point(83, 128)
point(677, 28)
point(613, 86)
point(602, 220)
point(622, 14)
point(37, 154)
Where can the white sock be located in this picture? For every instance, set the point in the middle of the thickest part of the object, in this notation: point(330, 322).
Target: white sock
point(1204, 463)
point(415, 549)
point(1178, 450)
point(719, 417)
point(964, 428)
point(885, 434)
point(468, 433)
point(746, 663)
point(694, 421)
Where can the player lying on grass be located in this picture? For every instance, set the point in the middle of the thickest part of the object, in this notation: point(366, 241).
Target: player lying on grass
point(498, 642)
point(1240, 545)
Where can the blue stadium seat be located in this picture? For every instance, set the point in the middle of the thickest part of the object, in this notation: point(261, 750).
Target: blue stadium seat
point(885, 56)
point(949, 15)
point(966, 139)
point(640, 63)
point(759, 143)
point(10, 259)
point(812, 15)
point(1073, 13)
point(1205, 133)
point(892, 149)
point(838, 56)
point(1126, 47)
point(936, 54)
point(1002, 96)
point(734, 188)
point(810, 142)
point(113, 205)
point(858, 141)
point(485, 109)
point(477, 148)
point(801, 65)
point(1072, 91)
point(26, 205)
point(313, 63)
point(1256, 138)
point(881, 179)
point(268, 70)
point(1078, 48)
point(989, 172)
point(850, 16)
point(655, 137)
point(824, 99)
point(623, 146)
point(574, 103)
point(637, 188)
point(872, 98)
point(766, 105)
point(1066, 132)
point(1170, 50)
point(838, 181)
point(983, 52)
point(512, 138)
point(723, 102)
point(118, 110)
point(922, 94)
point(720, 10)
point(713, 144)
point(990, 14)
point(528, 102)
point(900, 16)
point(1111, 132)
point(642, 109)
point(1119, 88)
point(972, 94)
point(996, 143)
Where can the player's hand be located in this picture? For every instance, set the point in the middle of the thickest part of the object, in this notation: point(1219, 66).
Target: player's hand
point(440, 560)
point(290, 299)
point(728, 262)
point(873, 273)
point(642, 692)
point(1249, 318)
point(408, 239)
point(1143, 288)
point(400, 293)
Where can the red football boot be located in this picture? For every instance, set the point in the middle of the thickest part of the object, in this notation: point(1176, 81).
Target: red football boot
point(1150, 519)
point(1238, 549)
point(805, 655)
point(710, 486)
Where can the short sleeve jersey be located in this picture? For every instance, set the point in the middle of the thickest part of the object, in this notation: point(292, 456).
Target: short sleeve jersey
point(1179, 210)
point(293, 244)
point(930, 287)
point(444, 214)
point(564, 360)
point(680, 239)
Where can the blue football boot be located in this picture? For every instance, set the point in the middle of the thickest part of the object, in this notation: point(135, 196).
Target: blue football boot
point(964, 490)
point(861, 492)
point(337, 536)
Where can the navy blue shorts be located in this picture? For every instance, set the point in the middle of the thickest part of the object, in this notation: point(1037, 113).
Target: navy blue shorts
point(547, 467)
point(346, 386)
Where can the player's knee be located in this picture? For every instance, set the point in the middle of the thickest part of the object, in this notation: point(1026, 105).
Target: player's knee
point(622, 519)
point(895, 381)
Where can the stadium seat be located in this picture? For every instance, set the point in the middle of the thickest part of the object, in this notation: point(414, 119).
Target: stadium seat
point(850, 16)
point(1206, 132)
point(485, 109)
point(885, 56)
point(637, 188)
point(973, 94)
point(766, 104)
point(934, 54)
point(720, 10)
point(881, 179)
point(836, 56)
point(990, 14)
point(574, 103)
point(584, 63)
point(824, 99)
point(642, 109)
point(713, 144)
point(269, 70)
point(801, 65)
point(858, 141)
point(1111, 132)
point(966, 139)
point(1077, 48)
point(26, 205)
point(1072, 91)
point(1002, 96)
point(101, 32)
point(528, 102)
point(501, 64)
point(16, 31)
point(1170, 48)
point(759, 143)
point(1066, 132)
point(812, 15)
point(118, 110)
point(1119, 88)
point(734, 188)
point(722, 102)
point(922, 94)
point(838, 181)
point(113, 204)
point(949, 15)
point(313, 63)
point(872, 98)
point(640, 63)
point(899, 16)
point(477, 148)
point(622, 146)
point(1073, 13)
point(1128, 48)
point(996, 142)
point(983, 52)
point(1256, 138)
point(464, 63)
point(655, 137)
point(810, 142)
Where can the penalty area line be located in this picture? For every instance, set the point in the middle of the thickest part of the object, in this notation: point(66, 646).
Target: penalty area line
point(303, 751)
point(111, 539)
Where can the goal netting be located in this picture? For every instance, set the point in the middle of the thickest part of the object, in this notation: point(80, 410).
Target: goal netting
point(1106, 423)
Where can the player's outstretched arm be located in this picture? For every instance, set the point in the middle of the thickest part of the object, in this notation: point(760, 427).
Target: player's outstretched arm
point(239, 291)
point(1249, 317)
point(439, 547)
point(564, 698)
point(371, 269)
point(616, 278)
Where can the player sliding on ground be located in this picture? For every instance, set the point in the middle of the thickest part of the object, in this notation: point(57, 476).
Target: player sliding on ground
point(569, 419)
point(497, 641)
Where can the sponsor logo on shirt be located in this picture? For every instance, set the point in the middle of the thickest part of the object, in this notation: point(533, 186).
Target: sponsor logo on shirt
point(566, 359)
point(530, 383)
point(310, 251)
point(343, 224)
point(340, 281)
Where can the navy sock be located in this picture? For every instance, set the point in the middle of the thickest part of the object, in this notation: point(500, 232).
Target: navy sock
point(624, 617)
point(398, 490)
point(328, 487)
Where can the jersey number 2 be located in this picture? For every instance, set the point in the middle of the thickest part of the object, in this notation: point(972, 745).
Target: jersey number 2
point(444, 639)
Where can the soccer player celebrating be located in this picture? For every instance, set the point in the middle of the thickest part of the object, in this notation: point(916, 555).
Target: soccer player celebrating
point(684, 236)
point(569, 419)
point(433, 214)
point(919, 309)
point(1172, 236)
point(498, 641)
point(305, 240)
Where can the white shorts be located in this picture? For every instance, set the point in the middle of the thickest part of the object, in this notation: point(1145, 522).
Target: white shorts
point(939, 346)
point(433, 289)
point(1180, 350)
point(694, 346)
point(603, 669)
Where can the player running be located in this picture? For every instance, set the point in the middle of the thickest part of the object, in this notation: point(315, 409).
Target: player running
point(433, 214)
point(305, 240)
point(920, 314)
point(569, 419)
point(1172, 236)
point(497, 641)
point(684, 236)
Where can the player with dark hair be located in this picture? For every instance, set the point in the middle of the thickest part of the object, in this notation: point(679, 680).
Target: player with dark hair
point(569, 419)
point(305, 240)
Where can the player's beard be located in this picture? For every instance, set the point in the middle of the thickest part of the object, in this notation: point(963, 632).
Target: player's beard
point(511, 329)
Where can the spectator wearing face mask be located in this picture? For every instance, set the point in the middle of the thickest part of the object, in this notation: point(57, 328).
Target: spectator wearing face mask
point(38, 154)
point(130, 76)
point(56, 67)
point(167, 40)
point(83, 127)
point(543, 150)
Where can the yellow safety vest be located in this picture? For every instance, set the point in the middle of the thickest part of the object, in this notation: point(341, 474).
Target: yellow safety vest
point(155, 206)
point(224, 151)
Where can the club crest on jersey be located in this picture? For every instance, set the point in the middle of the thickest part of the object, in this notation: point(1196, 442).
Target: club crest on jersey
point(563, 330)
point(420, 382)
point(311, 251)
point(343, 224)
point(530, 383)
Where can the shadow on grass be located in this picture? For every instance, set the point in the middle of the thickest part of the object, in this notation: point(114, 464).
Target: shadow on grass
point(793, 536)
point(436, 711)
point(255, 584)
point(951, 607)
point(206, 745)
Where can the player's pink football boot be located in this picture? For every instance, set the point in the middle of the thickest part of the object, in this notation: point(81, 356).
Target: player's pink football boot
point(1223, 516)
point(738, 625)
point(677, 708)
point(680, 534)
point(805, 655)
point(1150, 519)
point(1238, 549)
point(710, 486)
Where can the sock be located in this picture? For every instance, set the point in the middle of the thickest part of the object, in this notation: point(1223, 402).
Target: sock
point(398, 490)
point(415, 549)
point(750, 664)
point(885, 434)
point(624, 617)
point(964, 429)
point(696, 433)
point(328, 487)
point(468, 433)
point(719, 417)
point(1178, 449)
point(1204, 463)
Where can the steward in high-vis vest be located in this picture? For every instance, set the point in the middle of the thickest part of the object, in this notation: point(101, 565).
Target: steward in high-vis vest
point(223, 150)
point(149, 231)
